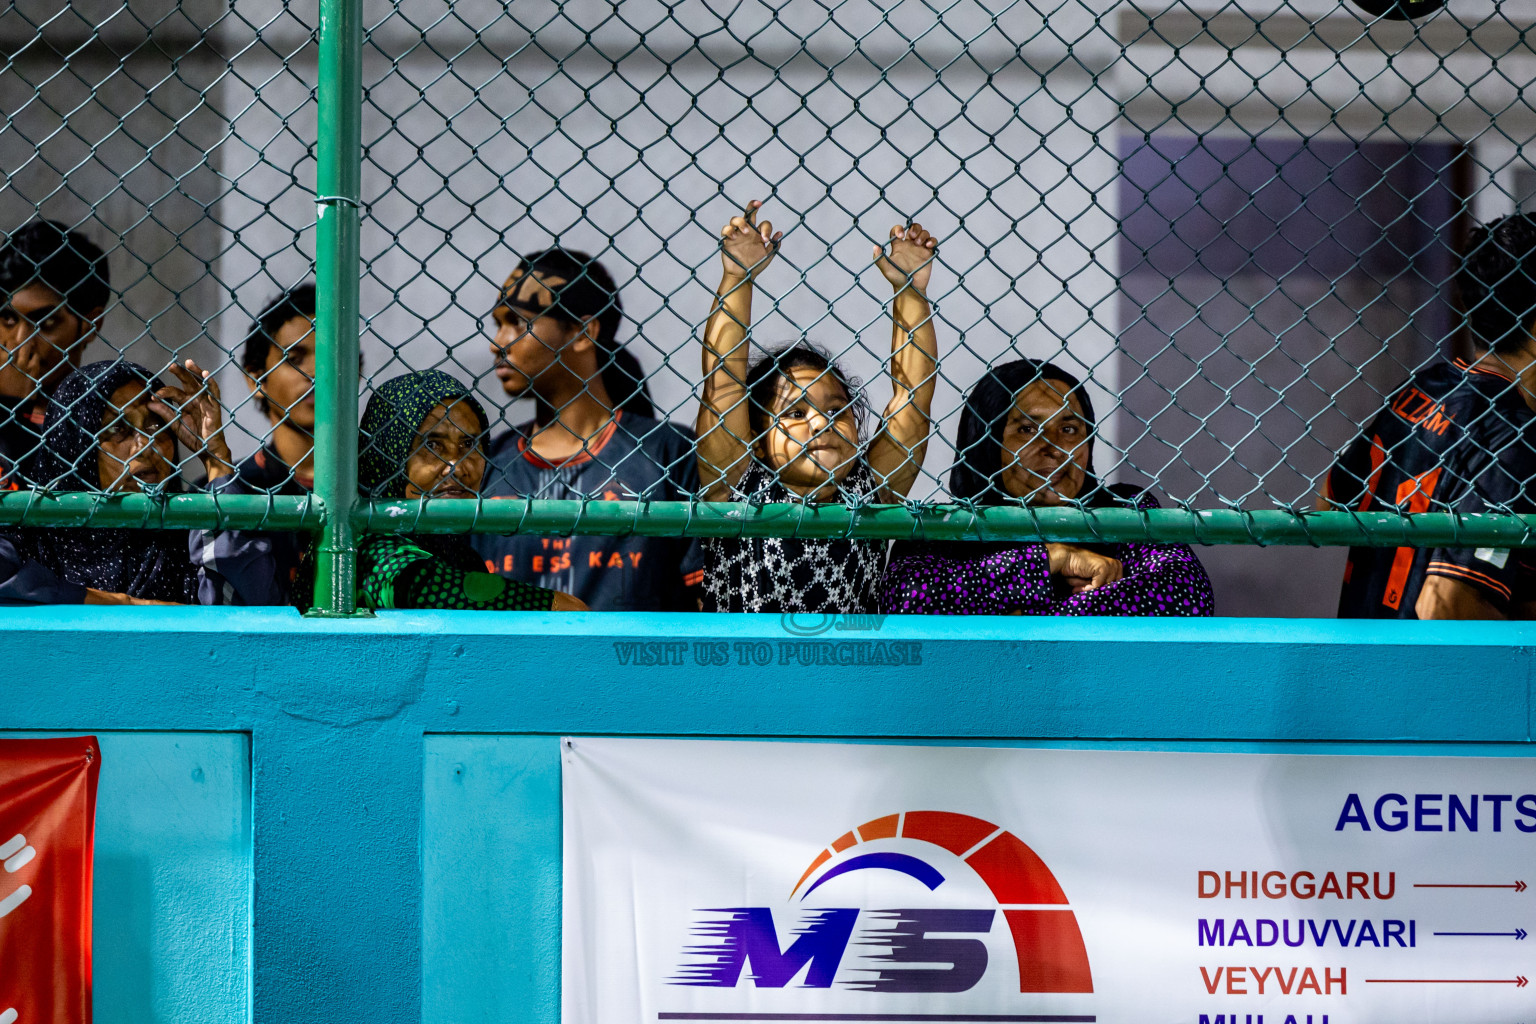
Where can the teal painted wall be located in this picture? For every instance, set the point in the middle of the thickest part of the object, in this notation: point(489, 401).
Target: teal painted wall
point(386, 791)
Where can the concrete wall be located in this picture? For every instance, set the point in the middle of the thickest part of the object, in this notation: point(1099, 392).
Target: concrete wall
point(358, 820)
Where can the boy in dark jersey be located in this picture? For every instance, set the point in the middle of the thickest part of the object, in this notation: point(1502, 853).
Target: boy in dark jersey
point(54, 283)
point(258, 567)
point(594, 435)
point(1457, 437)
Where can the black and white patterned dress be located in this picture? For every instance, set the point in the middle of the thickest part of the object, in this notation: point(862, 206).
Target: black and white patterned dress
point(789, 574)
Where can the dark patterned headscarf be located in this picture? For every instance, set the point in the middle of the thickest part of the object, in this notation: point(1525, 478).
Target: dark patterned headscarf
point(77, 411)
point(153, 564)
point(391, 423)
point(393, 420)
point(977, 475)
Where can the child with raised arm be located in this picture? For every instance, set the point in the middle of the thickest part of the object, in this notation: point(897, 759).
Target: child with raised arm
point(787, 428)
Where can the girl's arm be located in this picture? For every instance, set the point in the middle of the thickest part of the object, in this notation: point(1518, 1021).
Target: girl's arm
point(724, 425)
point(897, 451)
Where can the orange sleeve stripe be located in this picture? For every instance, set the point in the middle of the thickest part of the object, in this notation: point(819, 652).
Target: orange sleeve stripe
point(1448, 569)
point(1378, 463)
point(694, 578)
point(1462, 364)
point(1453, 567)
point(1415, 492)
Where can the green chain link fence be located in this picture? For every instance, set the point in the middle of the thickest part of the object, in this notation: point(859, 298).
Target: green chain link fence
point(1239, 225)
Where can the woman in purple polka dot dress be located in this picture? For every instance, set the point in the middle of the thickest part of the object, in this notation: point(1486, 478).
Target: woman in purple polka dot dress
point(1027, 433)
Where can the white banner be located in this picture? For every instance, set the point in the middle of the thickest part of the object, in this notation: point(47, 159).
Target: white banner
point(734, 881)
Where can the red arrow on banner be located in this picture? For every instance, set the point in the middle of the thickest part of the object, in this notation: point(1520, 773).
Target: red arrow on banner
point(1519, 982)
point(1517, 886)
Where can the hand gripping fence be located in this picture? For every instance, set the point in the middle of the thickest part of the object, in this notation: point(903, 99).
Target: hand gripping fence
point(1241, 227)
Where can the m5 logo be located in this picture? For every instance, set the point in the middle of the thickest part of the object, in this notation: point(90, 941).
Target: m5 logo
point(745, 940)
point(1047, 943)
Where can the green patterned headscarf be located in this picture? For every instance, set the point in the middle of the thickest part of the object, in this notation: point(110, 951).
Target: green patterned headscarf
point(392, 421)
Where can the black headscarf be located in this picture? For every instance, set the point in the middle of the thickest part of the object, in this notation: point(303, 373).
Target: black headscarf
point(392, 421)
point(979, 447)
point(154, 564)
point(76, 411)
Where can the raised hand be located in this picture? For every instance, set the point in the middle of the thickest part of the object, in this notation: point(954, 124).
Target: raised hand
point(747, 247)
point(196, 414)
point(908, 258)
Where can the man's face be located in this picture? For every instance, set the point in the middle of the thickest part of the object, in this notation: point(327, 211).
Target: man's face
point(289, 382)
point(41, 341)
point(528, 346)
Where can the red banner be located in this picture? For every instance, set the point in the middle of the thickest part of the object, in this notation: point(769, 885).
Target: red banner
point(47, 829)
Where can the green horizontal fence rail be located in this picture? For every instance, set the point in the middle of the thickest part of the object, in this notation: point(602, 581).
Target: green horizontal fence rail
point(170, 512)
point(739, 519)
point(948, 522)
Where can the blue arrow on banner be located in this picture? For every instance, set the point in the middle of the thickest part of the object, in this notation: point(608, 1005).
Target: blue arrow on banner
point(1517, 934)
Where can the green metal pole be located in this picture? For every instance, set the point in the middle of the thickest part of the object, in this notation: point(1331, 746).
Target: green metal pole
point(948, 522)
point(338, 188)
